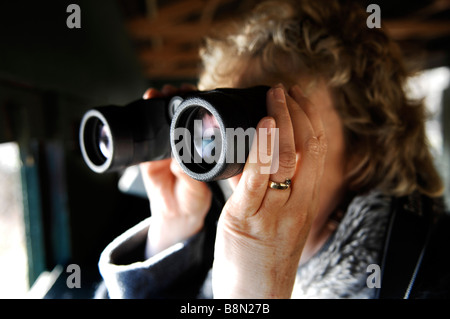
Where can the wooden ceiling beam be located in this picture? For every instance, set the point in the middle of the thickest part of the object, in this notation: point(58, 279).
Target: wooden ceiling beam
point(433, 8)
point(414, 29)
point(176, 30)
point(179, 10)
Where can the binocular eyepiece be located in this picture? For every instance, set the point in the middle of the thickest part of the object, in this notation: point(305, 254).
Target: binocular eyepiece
point(209, 133)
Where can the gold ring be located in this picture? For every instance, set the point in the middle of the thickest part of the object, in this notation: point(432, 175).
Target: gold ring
point(282, 186)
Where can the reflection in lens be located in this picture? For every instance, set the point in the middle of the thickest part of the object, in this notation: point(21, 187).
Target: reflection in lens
point(104, 141)
point(207, 139)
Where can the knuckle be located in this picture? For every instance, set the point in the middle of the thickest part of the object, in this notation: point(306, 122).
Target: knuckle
point(312, 146)
point(316, 147)
point(323, 144)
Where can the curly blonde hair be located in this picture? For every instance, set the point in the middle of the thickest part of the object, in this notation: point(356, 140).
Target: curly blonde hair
point(363, 68)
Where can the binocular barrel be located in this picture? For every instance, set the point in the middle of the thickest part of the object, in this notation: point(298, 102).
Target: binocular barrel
point(209, 133)
point(115, 137)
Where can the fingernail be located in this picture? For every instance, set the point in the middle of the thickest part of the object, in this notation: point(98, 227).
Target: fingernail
point(278, 94)
point(269, 124)
point(149, 93)
point(146, 95)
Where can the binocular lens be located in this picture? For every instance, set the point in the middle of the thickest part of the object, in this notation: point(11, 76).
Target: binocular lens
point(96, 141)
point(104, 140)
point(206, 136)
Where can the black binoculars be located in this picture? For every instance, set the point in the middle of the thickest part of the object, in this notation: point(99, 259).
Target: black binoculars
point(209, 133)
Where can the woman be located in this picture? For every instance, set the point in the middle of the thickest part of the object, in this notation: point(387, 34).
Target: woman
point(352, 154)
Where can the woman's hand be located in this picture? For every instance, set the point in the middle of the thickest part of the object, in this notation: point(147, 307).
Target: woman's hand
point(262, 231)
point(178, 203)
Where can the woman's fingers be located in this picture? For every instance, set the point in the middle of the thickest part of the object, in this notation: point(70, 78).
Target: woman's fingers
point(312, 113)
point(310, 142)
point(250, 191)
point(157, 180)
point(286, 158)
point(187, 87)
